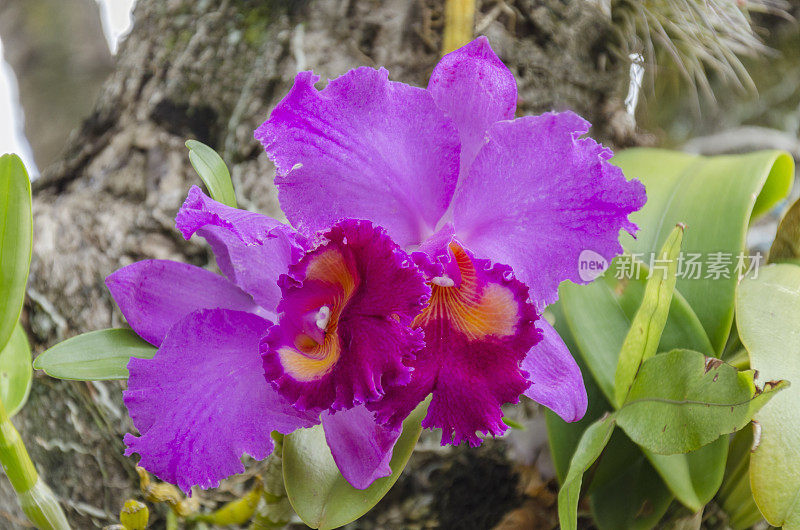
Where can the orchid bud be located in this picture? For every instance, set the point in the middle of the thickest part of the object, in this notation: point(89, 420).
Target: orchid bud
point(134, 515)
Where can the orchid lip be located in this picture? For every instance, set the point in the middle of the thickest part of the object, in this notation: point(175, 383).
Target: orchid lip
point(345, 331)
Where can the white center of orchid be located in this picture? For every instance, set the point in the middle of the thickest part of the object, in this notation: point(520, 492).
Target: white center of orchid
point(322, 317)
point(443, 281)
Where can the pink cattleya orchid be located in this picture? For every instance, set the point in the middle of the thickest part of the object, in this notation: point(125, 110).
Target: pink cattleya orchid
point(432, 229)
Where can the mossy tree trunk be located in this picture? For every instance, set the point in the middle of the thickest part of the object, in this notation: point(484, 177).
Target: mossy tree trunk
point(212, 70)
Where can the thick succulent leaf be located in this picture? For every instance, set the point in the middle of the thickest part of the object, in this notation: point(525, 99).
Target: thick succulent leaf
point(16, 234)
point(94, 356)
point(317, 490)
point(767, 315)
point(683, 400)
point(213, 171)
point(592, 443)
point(716, 197)
point(648, 323)
point(15, 371)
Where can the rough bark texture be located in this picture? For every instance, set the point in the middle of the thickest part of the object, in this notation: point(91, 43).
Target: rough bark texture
point(212, 70)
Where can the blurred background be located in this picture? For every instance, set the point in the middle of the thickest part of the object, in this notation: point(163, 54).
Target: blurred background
point(98, 97)
point(65, 47)
point(739, 94)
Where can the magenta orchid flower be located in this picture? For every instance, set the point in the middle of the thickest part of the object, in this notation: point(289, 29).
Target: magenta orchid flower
point(496, 210)
point(433, 229)
point(203, 401)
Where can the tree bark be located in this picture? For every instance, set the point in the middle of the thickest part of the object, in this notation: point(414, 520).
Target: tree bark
point(212, 70)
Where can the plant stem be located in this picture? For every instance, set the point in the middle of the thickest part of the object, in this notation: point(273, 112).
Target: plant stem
point(172, 520)
point(35, 497)
point(459, 21)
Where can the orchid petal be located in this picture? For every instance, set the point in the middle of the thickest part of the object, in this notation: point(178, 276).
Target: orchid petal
point(252, 250)
point(537, 196)
point(556, 380)
point(477, 332)
point(345, 332)
point(475, 89)
point(202, 401)
point(361, 447)
point(363, 147)
point(154, 295)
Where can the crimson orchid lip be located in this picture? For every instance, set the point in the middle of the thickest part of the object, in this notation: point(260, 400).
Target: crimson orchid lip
point(478, 331)
point(366, 292)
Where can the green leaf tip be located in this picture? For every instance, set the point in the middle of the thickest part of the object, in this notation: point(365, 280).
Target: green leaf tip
point(513, 423)
point(786, 246)
point(213, 172)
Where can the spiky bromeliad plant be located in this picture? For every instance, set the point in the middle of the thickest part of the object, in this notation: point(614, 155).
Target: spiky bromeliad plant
point(697, 36)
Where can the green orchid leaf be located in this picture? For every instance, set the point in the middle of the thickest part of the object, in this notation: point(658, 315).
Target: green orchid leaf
point(716, 197)
point(15, 371)
point(735, 496)
point(636, 500)
point(94, 356)
point(626, 492)
point(592, 443)
point(622, 298)
point(618, 297)
point(648, 323)
point(683, 400)
point(599, 340)
point(16, 233)
point(213, 171)
point(320, 494)
point(767, 316)
point(694, 477)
